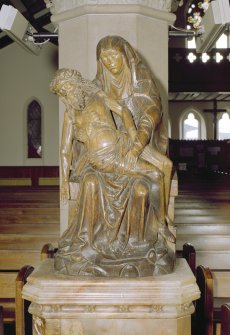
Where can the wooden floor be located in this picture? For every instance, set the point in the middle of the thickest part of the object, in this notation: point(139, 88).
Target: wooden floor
point(202, 217)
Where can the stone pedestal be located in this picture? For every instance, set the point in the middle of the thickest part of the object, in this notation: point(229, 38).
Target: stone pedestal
point(64, 305)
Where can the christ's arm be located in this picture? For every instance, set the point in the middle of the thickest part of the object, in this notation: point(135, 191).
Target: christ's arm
point(124, 113)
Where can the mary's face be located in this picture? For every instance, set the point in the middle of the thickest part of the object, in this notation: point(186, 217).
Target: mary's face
point(112, 60)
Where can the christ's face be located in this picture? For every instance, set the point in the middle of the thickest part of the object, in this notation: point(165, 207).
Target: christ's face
point(72, 94)
point(112, 60)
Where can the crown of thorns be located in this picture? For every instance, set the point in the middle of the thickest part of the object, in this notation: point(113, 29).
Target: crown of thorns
point(64, 75)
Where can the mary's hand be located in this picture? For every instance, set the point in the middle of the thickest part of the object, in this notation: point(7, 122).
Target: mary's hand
point(64, 192)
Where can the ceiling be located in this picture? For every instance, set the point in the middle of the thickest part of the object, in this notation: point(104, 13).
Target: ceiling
point(35, 12)
point(38, 15)
point(198, 96)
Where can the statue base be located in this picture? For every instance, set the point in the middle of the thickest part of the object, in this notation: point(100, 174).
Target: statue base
point(66, 305)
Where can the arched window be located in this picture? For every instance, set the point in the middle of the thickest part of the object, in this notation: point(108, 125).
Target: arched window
point(190, 127)
point(34, 145)
point(224, 127)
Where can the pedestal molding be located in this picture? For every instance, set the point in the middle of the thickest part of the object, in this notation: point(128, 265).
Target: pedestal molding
point(111, 311)
point(46, 286)
point(167, 296)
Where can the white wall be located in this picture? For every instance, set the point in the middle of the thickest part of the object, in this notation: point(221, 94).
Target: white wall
point(25, 77)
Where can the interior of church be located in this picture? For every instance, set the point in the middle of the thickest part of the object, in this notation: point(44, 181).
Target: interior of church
point(195, 92)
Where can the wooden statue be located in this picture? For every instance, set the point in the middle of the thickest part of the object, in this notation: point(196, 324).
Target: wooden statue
point(112, 141)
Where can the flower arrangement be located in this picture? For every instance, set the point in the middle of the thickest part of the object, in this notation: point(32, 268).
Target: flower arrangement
point(204, 5)
point(195, 20)
point(197, 11)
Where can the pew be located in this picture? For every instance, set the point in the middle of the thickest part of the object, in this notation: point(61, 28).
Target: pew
point(202, 211)
point(29, 218)
point(214, 287)
point(1, 321)
point(225, 319)
point(7, 296)
point(14, 310)
point(215, 293)
point(23, 318)
point(189, 253)
point(203, 317)
point(48, 251)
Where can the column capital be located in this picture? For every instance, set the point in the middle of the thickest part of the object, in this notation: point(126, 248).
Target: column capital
point(66, 9)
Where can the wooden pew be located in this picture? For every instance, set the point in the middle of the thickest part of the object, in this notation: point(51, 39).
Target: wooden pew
point(203, 317)
point(1, 321)
point(7, 295)
point(11, 215)
point(28, 175)
point(48, 251)
point(225, 319)
point(23, 318)
point(189, 253)
point(202, 211)
point(215, 292)
point(13, 306)
point(29, 218)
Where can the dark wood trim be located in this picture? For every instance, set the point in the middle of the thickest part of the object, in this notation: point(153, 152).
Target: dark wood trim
point(198, 76)
point(33, 172)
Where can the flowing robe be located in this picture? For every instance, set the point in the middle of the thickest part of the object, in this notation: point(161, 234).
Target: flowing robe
point(114, 229)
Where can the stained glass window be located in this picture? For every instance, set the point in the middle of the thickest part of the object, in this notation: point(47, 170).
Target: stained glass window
point(34, 130)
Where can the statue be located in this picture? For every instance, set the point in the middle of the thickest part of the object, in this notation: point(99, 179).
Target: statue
point(120, 224)
point(134, 87)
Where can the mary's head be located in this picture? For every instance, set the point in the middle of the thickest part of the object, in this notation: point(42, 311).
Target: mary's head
point(118, 49)
point(115, 57)
point(110, 51)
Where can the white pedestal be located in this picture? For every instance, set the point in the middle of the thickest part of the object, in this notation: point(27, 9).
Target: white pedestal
point(64, 305)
